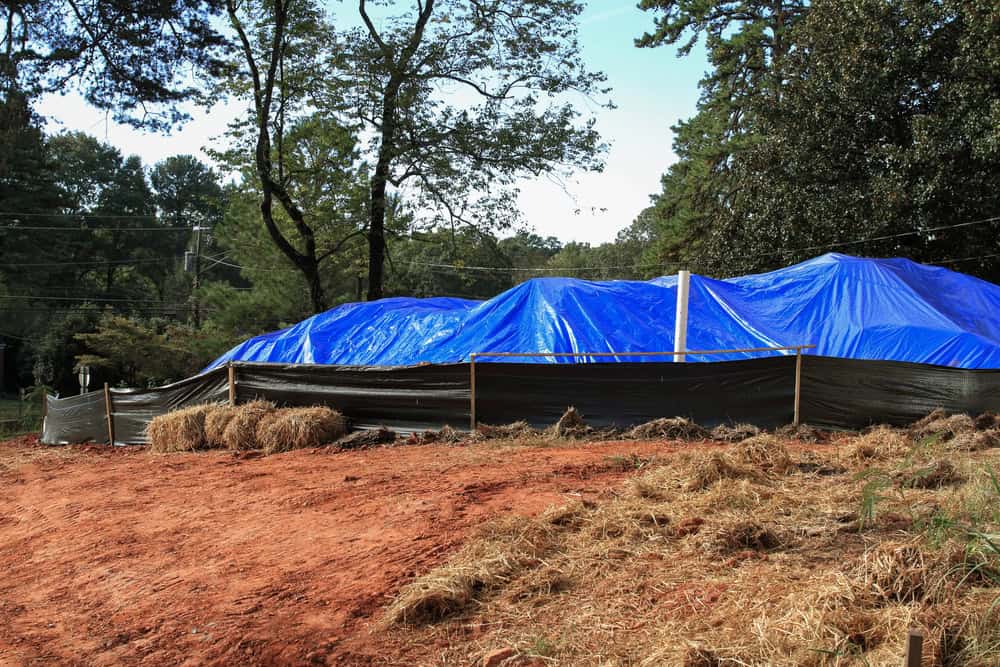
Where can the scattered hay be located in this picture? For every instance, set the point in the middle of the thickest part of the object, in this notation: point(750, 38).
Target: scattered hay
point(766, 452)
point(734, 432)
point(975, 441)
point(740, 535)
point(216, 422)
point(934, 476)
point(446, 436)
point(240, 433)
point(893, 571)
point(710, 469)
point(571, 426)
point(942, 429)
point(802, 433)
point(299, 428)
point(567, 516)
point(179, 431)
point(366, 438)
point(668, 428)
point(881, 443)
point(498, 552)
point(512, 431)
point(934, 415)
point(987, 421)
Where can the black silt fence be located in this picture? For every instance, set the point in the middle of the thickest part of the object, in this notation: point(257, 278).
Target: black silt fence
point(835, 393)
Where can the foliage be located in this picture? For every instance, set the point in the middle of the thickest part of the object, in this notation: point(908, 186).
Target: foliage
point(133, 58)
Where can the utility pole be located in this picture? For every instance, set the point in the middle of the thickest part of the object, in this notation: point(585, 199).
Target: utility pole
point(196, 269)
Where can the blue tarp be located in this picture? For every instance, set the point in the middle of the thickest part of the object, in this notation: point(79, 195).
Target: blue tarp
point(858, 308)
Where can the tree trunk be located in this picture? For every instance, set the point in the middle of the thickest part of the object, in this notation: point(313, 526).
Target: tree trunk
point(376, 239)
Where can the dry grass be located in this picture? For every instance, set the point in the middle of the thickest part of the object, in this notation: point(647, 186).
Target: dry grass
point(241, 431)
point(299, 428)
point(571, 426)
point(881, 443)
point(766, 452)
point(513, 431)
point(668, 428)
point(942, 428)
point(734, 432)
point(717, 559)
point(216, 422)
point(179, 431)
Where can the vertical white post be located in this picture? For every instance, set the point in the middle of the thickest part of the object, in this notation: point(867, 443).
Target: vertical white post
point(681, 316)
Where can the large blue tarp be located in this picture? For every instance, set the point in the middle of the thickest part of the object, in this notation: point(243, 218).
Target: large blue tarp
point(852, 307)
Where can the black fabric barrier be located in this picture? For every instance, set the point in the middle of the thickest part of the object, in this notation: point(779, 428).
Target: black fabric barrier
point(854, 393)
point(835, 393)
point(406, 399)
point(132, 409)
point(759, 391)
point(75, 419)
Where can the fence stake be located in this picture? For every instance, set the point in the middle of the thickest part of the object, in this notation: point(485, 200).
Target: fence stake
point(798, 384)
point(232, 384)
point(111, 421)
point(472, 392)
point(914, 648)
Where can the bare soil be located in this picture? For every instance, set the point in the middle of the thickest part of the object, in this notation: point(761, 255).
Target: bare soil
point(119, 556)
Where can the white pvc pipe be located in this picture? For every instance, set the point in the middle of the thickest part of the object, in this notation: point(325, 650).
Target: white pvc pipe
point(681, 314)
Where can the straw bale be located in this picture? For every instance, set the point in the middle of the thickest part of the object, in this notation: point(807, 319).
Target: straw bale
point(179, 431)
point(669, 428)
point(299, 428)
point(881, 443)
point(215, 425)
point(571, 425)
point(734, 432)
point(765, 452)
point(241, 431)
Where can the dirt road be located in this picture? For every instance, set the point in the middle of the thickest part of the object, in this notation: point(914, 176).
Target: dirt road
point(115, 556)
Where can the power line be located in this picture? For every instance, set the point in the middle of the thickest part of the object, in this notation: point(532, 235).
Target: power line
point(95, 262)
point(96, 216)
point(70, 298)
point(95, 229)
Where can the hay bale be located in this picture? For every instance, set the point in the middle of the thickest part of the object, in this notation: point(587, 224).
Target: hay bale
point(216, 422)
point(881, 443)
point(715, 467)
point(734, 432)
point(299, 428)
point(241, 431)
point(571, 425)
point(669, 428)
point(366, 439)
point(766, 452)
point(893, 571)
point(179, 431)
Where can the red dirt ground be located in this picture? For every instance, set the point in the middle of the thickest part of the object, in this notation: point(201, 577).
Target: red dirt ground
point(112, 556)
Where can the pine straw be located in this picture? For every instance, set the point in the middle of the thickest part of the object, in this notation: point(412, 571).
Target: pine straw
point(942, 428)
point(881, 443)
point(659, 575)
point(179, 431)
point(668, 428)
point(715, 467)
point(241, 431)
point(734, 432)
point(299, 428)
point(975, 441)
point(766, 452)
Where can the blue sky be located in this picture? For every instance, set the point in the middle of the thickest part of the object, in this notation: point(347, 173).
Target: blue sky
point(652, 89)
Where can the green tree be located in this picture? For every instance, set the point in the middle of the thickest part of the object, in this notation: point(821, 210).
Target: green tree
point(134, 58)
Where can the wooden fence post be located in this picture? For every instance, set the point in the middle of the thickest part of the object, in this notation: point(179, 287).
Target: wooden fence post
point(798, 384)
point(108, 411)
point(232, 384)
point(472, 392)
point(914, 648)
